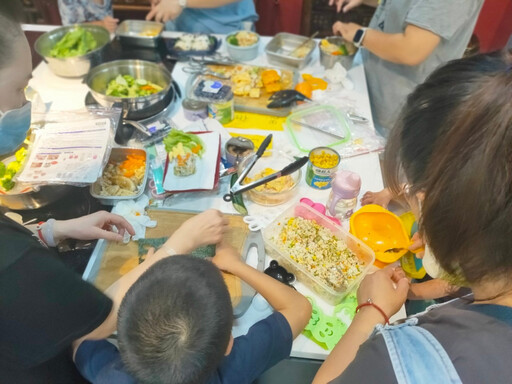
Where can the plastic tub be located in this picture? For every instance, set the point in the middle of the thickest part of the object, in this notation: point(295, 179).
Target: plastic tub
point(361, 250)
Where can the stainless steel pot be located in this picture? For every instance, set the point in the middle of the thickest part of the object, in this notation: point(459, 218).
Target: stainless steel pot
point(77, 66)
point(328, 60)
point(35, 198)
point(98, 78)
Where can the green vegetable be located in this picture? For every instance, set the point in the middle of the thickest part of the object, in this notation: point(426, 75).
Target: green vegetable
point(238, 200)
point(343, 50)
point(7, 172)
point(189, 141)
point(128, 86)
point(76, 42)
point(232, 40)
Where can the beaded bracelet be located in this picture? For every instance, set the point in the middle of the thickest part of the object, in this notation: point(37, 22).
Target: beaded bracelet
point(370, 303)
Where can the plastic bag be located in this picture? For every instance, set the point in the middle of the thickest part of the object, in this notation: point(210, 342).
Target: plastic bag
point(69, 147)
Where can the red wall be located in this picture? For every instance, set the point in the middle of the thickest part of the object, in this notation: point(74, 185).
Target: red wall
point(494, 25)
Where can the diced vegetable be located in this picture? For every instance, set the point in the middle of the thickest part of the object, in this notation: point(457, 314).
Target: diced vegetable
point(128, 86)
point(8, 172)
point(187, 142)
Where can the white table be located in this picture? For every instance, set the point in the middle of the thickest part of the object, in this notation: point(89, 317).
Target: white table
point(69, 94)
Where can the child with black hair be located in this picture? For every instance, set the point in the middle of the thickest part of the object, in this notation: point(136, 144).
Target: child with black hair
point(175, 327)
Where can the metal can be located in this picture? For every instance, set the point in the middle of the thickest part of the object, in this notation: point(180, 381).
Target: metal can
point(195, 109)
point(237, 149)
point(223, 111)
point(323, 163)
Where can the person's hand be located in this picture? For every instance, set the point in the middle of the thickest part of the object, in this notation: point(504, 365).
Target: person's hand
point(346, 30)
point(381, 198)
point(164, 10)
point(226, 257)
point(98, 225)
point(417, 246)
point(349, 4)
point(386, 288)
point(204, 229)
point(110, 23)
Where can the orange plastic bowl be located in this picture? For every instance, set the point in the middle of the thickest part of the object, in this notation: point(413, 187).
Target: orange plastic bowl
point(381, 230)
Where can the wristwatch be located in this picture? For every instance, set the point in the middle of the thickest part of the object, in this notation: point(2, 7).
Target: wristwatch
point(359, 37)
point(182, 3)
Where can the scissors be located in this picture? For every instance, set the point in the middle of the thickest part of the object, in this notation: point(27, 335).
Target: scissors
point(238, 188)
point(258, 222)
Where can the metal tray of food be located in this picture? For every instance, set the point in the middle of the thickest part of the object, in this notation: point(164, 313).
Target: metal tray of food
point(279, 50)
point(140, 32)
point(188, 48)
point(119, 154)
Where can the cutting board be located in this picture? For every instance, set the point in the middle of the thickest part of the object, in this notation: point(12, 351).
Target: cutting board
point(118, 259)
point(259, 105)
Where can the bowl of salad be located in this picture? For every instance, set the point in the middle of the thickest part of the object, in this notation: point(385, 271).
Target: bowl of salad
point(336, 49)
point(73, 50)
point(133, 85)
point(243, 45)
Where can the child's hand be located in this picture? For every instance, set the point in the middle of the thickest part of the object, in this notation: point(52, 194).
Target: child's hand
point(383, 290)
point(226, 257)
point(204, 229)
point(417, 244)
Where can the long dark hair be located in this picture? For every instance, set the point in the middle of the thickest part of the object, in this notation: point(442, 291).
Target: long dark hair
point(453, 142)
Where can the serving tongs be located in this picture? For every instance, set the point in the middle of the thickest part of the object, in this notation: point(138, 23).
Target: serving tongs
point(238, 187)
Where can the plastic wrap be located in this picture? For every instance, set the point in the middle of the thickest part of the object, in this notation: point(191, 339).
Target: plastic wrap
point(69, 147)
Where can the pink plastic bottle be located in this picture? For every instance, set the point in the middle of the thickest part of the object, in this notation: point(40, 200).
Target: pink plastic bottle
point(343, 198)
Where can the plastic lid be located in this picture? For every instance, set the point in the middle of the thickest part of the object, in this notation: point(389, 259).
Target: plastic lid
point(346, 184)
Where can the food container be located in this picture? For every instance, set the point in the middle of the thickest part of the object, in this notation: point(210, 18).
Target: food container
point(237, 149)
point(194, 109)
point(223, 111)
point(328, 60)
point(98, 78)
point(381, 230)
point(118, 155)
point(140, 33)
point(241, 53)
point(275, 160)
point(318, 126)
point(213, 45)
point(361, 250)
point(76, 66)
point(278, 50)
point(319, 177)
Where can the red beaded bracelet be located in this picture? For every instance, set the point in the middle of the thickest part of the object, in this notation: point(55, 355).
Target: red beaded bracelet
point(370, 303)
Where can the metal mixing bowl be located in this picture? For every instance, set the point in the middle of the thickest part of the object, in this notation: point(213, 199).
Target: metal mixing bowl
point(328, 60)
point(76, 66)
point(98, 78)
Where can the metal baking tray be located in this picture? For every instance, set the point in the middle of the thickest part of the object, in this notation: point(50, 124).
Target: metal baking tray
point(133, 32)
point(120, 154)
point(279, 48)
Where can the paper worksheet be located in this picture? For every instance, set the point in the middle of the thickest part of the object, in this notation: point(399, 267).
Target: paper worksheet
point(68, 153)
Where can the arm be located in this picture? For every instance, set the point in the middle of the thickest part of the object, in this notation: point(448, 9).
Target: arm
point(388, 295)
point(290, 303)
point(352, 4)
point(108, 22)
point(204, 229)
point(409, 48)
point(165, 10)
point(432, 289)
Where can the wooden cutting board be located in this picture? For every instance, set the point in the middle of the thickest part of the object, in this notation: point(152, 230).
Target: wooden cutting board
point(257, 105)
point(119, 259)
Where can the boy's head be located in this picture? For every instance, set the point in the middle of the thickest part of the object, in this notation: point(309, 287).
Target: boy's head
point(175, 322)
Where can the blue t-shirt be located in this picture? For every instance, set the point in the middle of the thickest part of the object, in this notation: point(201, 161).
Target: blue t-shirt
point(267, 342)
point(225, 19)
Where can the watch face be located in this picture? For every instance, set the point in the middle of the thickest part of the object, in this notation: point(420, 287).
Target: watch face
point(358, 35)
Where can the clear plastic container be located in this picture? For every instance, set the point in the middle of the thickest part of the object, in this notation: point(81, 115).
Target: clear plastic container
point(361, 250)
point(318, 126)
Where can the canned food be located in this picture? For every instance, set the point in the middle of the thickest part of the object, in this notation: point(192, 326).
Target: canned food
point(195, 109)
point(223, 111)
point(323, 163)
point(237, 149)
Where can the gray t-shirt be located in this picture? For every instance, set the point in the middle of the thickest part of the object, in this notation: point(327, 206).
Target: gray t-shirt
point(389, 83)
point(477, 338)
